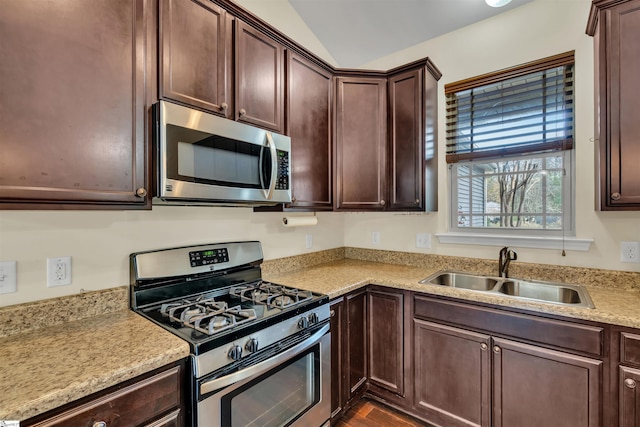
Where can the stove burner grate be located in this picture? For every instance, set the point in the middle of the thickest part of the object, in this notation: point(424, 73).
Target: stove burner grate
point(273, 296)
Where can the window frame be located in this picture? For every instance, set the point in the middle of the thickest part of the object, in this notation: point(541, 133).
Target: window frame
point(565, 149)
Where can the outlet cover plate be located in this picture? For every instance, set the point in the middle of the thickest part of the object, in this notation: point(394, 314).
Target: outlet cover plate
point(423, 240)
point(8, 281)
point(59, 271)
point(630, 251)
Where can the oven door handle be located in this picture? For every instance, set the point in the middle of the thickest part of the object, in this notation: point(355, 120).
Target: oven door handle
point(263, 366)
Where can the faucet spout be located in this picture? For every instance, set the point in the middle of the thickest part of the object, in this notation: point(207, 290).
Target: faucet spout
point(504, 258)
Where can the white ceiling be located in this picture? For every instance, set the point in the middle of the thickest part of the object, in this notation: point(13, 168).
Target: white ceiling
point(356, 32)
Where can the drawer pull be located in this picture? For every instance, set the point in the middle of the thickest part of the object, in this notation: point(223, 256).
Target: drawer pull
point(496, 349)
point(99, 424)
point(630, 383)
point(615, 196)
point(483, 346)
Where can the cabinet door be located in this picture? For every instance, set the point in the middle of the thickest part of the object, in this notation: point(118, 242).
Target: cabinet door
point(628, 389)
point(452, 375)
point(406, 141)
point(619, 109)
point(361, 135)
point(533, 387)
point(309, 126)
point(259, 79)
point(195, 43)
point(386, 340)
point(74, 84)
point(338, 371)
point(356, 342)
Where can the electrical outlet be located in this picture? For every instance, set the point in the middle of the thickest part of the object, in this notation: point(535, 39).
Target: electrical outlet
point(423, 240)
point(308, 241)
point(630, 251)
point(375, 237)
point(7, 277)
point(59, 271)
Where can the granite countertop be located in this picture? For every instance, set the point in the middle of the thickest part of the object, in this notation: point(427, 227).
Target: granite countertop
point(612, 305)
point(85, 352)
point(45, 368)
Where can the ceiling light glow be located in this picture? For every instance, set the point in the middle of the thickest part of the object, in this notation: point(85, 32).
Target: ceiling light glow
point(497, 3)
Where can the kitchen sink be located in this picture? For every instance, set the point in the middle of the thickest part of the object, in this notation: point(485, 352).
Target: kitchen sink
point(548, 292)
point(462, 280)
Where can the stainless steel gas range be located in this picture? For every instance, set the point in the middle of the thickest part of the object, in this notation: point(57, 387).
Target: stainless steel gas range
point(260, 351)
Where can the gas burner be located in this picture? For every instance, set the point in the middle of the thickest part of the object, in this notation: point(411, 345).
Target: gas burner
point(273, 296)
point(212, 323)
point(184, 311)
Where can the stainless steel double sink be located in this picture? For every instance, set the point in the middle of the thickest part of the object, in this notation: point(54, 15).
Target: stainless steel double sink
point(548, 292)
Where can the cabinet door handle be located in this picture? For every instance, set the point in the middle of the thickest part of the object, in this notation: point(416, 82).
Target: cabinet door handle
point(332, 313)
point(141, 192)
point(99, 424)
point(224, 106)
point(243, 112)
point(382, 202)
point(417, 201)
point(630, 383)
point(483, 346)
point(496, 349)
point(615, 196)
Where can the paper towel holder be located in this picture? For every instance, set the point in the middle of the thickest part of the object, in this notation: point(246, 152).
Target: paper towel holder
point(300, 221)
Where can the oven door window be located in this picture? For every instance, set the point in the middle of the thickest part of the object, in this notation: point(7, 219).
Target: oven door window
point(195, 156)
point(278, 397)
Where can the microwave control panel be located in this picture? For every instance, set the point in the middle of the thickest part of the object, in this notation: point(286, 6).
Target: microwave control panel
point(282, 182)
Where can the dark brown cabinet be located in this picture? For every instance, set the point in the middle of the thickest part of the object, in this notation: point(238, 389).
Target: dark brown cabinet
point(259, 78)
point(385, 328)
point(309, 99)
point(361, 143)
point(349, 370)
point(629, 396)
point(155, 400)
point(452, 375)
point(615, 26)
point(196, 55)
point(535, 386)
point(75, 85)
point(468, 373)
point(413, 98)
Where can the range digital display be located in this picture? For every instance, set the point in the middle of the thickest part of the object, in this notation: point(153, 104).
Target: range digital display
point(209, 256)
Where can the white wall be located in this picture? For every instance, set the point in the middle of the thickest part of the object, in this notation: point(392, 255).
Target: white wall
point(100, 242)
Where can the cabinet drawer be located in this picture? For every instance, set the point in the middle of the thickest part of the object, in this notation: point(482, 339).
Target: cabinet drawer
point(553, 333)
point(629, 349)
point(134, 405)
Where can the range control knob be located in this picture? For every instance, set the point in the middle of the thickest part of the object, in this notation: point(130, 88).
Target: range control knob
point(303, 323)
point(252, 345)
point(235, 353)
point(313, 318)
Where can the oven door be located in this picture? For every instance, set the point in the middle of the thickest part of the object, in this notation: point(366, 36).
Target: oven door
point(291, 388)
point(202, 157)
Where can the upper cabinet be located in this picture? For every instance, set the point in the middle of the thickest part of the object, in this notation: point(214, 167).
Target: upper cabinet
point(309, 98)
point(259, 79)
point(196, 55)
point(76, 80)
point(385, 139)
point(615, 25)
point(360, 143)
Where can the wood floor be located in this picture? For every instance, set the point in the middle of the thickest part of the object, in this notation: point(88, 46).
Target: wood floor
point(367, 413)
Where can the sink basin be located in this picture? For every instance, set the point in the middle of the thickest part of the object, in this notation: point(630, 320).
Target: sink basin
point(548, 292)
point(462, 280)
point(558, 293)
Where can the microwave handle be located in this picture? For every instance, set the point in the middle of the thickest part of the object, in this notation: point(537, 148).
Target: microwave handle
point(268, 193)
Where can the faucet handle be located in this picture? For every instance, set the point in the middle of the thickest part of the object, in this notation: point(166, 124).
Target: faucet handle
point(512, 255)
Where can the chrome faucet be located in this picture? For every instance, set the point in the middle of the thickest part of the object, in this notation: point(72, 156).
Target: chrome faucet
point(505, 257)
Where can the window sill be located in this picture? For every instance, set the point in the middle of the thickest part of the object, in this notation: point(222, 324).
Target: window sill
point(568, 243)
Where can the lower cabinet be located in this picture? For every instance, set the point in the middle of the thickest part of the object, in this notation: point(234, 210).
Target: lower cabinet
point(156, 400)
point(629, 396)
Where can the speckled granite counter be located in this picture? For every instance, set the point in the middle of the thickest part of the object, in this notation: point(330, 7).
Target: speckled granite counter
point(45, 368)
point(618, 305)
point(93, 341)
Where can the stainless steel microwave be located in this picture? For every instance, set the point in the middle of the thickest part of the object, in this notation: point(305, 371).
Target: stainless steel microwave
point(203, 159)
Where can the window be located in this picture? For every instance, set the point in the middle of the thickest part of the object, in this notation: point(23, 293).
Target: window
point(510, 149)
